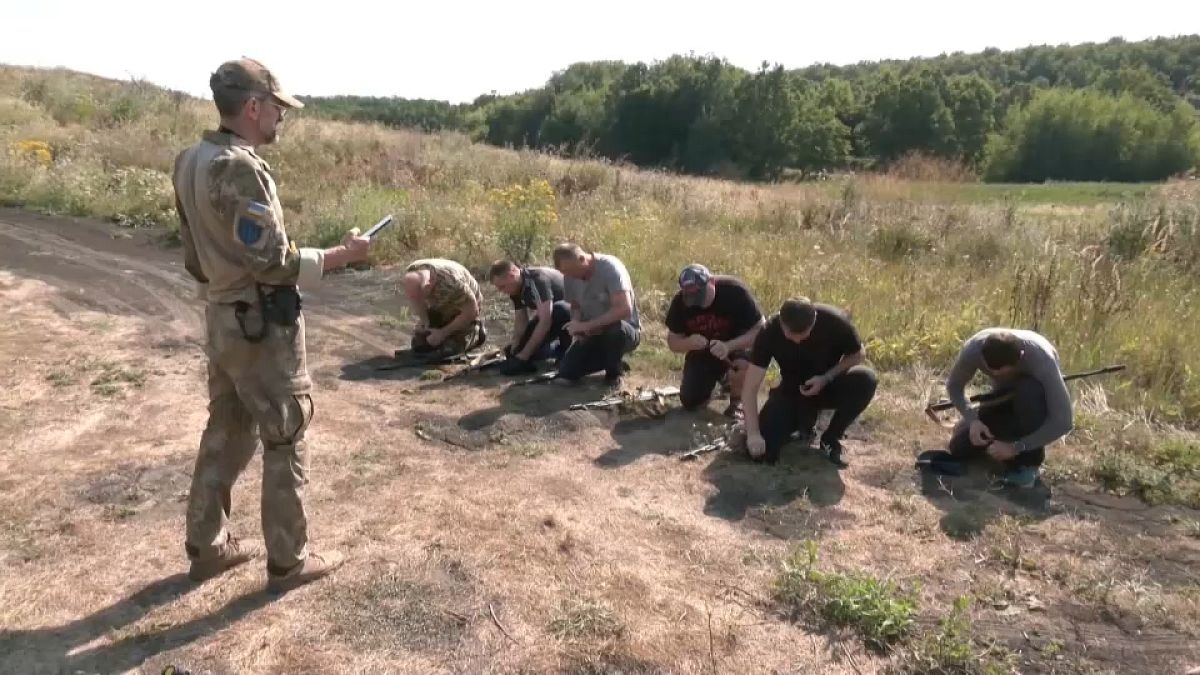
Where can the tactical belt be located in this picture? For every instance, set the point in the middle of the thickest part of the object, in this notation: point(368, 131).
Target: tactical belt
point(280, 307)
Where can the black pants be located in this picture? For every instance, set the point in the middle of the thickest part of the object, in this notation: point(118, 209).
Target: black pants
point(560, 314)
point(701, 373)
point(787, 412)
point(602, 351)
point(1008, 421)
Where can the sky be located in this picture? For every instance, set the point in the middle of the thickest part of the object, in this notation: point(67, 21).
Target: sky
point(457, 49)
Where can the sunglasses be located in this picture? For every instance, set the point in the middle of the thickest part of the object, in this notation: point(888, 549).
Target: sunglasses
point(283, 110)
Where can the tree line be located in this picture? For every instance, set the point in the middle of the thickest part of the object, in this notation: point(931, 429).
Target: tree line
point(1119, 111)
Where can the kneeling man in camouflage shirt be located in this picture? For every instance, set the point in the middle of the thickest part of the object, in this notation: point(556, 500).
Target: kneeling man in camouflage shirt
point(448, 305)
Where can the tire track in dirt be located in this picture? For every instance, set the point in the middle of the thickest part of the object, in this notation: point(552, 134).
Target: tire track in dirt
point(97, 266)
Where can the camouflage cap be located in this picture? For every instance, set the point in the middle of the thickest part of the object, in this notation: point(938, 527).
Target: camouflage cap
point(250, 75)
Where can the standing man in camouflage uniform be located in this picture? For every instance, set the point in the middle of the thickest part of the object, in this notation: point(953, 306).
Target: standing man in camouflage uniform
point(249, 271)
point(448, 304)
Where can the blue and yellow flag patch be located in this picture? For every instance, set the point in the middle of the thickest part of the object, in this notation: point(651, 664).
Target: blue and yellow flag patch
point(249, 226)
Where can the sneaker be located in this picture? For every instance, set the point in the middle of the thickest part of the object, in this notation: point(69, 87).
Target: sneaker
point(231, 554)
point(1024, 477)
point(833, 452)
point(315, 566)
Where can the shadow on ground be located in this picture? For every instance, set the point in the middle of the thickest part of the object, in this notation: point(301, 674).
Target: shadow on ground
point(532, 400)
point(746, 488)
point(971, 501)
point(384, 368)
point(54, 650)
point(637, 437)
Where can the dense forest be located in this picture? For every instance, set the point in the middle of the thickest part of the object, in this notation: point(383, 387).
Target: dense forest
point(1119, 111)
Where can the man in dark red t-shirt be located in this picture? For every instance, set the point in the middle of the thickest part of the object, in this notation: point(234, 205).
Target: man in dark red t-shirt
point(713, 320)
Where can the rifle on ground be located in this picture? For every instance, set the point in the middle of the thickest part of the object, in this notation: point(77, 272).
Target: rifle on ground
point(411, 362)
point(993, 397)
point(541, 378)
point(731, 436)
point(483, 361)
point(653, 402)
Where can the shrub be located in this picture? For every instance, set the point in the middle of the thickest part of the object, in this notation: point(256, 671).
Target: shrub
point(1092, 135)
point(879, 611)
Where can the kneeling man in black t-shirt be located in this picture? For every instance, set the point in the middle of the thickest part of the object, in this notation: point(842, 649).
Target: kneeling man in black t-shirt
point(820, 361)
point(713, 320)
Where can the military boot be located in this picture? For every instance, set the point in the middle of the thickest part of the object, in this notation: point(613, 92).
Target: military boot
point(313, 567)
point(230, 554)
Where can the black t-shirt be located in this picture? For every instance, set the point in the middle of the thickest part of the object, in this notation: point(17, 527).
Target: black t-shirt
point(538, 285)
point(732, 313)
point(832, 337)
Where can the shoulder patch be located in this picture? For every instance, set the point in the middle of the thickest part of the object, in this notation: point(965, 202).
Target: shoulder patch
point(249, 231)
point(248, 228)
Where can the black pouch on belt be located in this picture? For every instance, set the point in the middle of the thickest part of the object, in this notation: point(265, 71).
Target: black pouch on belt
point(281, 306)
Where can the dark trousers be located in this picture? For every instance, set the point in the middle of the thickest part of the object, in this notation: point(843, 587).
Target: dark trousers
point(1022, 413)
point(557, 341)
point(789, 411)
point(701, 373)
point(602, 351)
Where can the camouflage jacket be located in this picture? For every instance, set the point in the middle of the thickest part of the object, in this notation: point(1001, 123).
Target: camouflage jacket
point(231, 222)
point(452, 286)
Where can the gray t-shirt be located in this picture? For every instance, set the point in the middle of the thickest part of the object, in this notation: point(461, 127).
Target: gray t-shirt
point(594, 295)
point(1040, 361)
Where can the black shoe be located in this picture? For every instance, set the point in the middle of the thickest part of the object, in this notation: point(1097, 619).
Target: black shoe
point(833, 452)
point(734, 409)
point(515, 366)
point(613, 384)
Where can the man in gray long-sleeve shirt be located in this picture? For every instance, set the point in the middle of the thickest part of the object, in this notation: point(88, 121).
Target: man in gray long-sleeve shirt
point(1038, 412)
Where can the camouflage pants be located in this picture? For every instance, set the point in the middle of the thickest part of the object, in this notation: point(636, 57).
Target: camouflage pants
point(458, 343)
point(256, 391)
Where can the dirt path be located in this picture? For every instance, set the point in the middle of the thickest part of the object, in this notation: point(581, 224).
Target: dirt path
point(521, 538)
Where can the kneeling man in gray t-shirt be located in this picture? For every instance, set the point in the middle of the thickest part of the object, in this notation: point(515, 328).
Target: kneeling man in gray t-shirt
point(1036, 412)
point(604, 316)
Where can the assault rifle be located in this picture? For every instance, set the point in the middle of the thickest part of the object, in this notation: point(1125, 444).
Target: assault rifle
point(627, 400)
point(994, 397)
point(480, 362)
point(730, 436)
point(405, 359)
